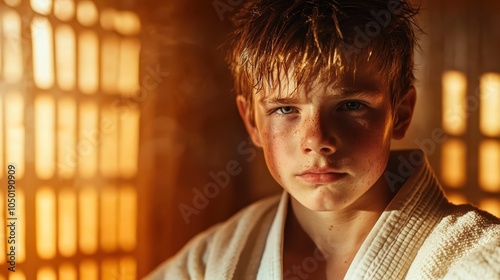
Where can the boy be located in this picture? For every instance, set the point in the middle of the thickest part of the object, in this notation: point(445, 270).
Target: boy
point(323, 87)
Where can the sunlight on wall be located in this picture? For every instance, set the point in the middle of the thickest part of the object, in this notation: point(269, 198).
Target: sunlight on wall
point(109, 148)
point(65, 57)
point(2, 168)
point(491, 205)
point(19, 275)
point(128, 218)
point(68, 131)
point(88, 62)
point(110, 55)
point(64, 9)
point(489, 165)
point(21, 228)
point(453, 163)
point(88, 270)
point(66, 137)
point(45, 223)
point(88, 140)
point(490, 104)
point(109, 201)
point(454, 91)
point(43, 67)
point(129, 142)
point(12, 3)
point(14, 142)
point(41, 6)
point(88, 220)
point(86, 13)
point(67, 272)
point(44, 136)
point(11, 45)
point(67, 222)
point(128, 81)
point(46, 273)
point(456, 198)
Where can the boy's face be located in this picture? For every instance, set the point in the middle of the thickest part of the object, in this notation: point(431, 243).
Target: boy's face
point(329, 145)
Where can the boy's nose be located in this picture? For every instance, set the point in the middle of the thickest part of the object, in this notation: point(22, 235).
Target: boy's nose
point(318, 139)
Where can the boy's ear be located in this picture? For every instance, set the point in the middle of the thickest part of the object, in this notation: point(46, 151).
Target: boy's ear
point(403, 114)
point(245, 110)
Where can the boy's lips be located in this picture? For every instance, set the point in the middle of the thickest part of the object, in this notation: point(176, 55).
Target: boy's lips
point(321, 175)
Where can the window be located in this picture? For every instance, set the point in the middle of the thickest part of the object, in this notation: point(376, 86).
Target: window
point(68, 72)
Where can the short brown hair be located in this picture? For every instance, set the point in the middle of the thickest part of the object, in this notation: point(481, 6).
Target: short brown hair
point(321, 40)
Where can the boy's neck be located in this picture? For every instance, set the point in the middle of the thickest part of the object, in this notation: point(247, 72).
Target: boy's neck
point(337, 234)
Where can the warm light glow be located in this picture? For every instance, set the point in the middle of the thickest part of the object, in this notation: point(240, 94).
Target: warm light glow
point(128, 268)
point(88, 62)
point(110, 55)
point(490, 104)
point(453, 160)
point(66, 135)
point(129, 141)
point(2, 232)
point(19, 275)
point(127, 23)
point(13, 56)
point(12, 3)
point(67, 222)
point(109, 269)
point(46, 273)
point(107, 19)
point(1, 147)
point(454, 103)
point(14, 125)
point(44, 136)
point(65, 57)
point(67, 272)
point(109, 215)
point(87, 216)
point(88, 140)
point(128, 82)
point(21, 227)
point(43, 67)
point(64, 9)
point(456, 198)
point(41, 6)
point(86, 13)
point(45, 223)
point(88, 270)
point(127, 218)
point(489, 165)
point(491, 205)
point(109, 143)
point(1, 47)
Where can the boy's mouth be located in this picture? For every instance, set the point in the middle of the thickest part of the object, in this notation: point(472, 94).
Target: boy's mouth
point(321, 175)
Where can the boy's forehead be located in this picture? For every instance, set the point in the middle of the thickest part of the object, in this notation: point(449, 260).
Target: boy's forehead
point(286, 86)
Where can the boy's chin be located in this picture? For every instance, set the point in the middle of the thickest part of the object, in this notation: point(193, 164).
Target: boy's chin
point(322, 201)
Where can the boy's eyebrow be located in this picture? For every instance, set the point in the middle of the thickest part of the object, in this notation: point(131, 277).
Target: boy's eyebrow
point(286, 100)
point(342, 93)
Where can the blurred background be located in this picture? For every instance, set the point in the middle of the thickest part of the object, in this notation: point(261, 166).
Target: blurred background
point(119, 117)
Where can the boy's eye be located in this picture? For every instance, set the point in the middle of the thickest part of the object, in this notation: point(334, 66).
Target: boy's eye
point(285, 110)
point(351, 105)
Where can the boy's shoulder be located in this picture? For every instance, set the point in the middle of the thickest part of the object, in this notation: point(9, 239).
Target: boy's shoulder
point(466, 241)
